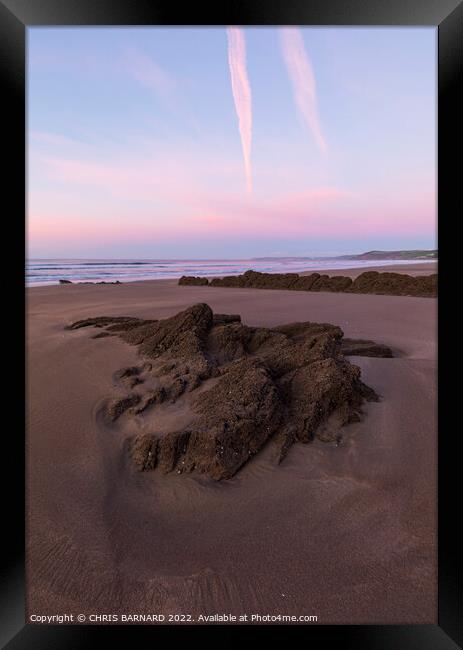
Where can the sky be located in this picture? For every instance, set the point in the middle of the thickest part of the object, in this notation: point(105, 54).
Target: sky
point(230, 142)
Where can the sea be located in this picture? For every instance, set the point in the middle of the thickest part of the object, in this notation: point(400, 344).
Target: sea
point(50, 271)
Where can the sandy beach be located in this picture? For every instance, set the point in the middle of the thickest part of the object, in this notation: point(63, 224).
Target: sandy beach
point(346, 533)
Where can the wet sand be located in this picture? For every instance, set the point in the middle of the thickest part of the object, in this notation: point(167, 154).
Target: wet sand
point(344, 533)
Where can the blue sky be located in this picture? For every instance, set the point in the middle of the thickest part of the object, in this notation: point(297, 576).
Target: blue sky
point(135, 147)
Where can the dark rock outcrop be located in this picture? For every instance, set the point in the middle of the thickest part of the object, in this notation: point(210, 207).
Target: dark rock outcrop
point(103, 321)
point(241, 387)
point(101, 282)
point(396, 284)
point(193, 280)
point(361, 348)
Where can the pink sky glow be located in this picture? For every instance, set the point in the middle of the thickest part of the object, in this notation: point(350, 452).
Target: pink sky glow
point(231, 141)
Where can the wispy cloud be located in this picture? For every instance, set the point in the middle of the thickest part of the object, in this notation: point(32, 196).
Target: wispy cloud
point(149, 73)
point(53, 139)
point(170, 90)
point(241, 94)
point(303, 81)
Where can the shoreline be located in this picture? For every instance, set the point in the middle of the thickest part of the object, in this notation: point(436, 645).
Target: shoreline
point(414, 268)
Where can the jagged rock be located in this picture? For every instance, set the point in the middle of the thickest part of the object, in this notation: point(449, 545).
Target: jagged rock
point(223, 319)
point(362, 348)
point(102, 282)
point(127, 372)
point(118, 406)
point(235, 419)
point(157, 396)
point(130, 377)
point(185, 330)
point(171, 447)
point(100, 321)
point(144, 451)
point(241, 386)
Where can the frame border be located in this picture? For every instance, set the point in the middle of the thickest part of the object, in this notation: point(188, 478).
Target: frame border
point(447, 16)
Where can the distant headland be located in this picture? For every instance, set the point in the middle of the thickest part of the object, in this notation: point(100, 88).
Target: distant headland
point(370, 255)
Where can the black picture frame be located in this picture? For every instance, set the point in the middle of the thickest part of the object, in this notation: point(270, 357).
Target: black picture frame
point(447, 17)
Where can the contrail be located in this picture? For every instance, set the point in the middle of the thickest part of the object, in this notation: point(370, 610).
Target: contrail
point(303, 80)
point(241, 94)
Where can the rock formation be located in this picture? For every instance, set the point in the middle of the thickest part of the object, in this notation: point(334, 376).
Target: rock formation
point(210, 391)
point(101, 282)
point(396, 284)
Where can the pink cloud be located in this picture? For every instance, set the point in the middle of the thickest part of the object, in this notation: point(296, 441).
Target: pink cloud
point(156, 179)
point(171, 197)
point(241, 94)
point(303, 80)
point(54, 139)
point(166, 212)
point(169, 89)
